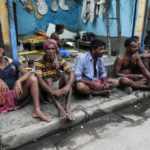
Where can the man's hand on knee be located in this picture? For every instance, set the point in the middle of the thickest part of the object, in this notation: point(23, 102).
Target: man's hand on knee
point(65, 90)
point(57, 93)
point(18, 89)
point(105, 86)
point(3, 86)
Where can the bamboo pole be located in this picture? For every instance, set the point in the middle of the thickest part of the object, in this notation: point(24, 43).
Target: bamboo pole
point(108, 28)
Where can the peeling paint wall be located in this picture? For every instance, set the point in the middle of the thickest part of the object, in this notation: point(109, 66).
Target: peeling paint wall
point(27, 23)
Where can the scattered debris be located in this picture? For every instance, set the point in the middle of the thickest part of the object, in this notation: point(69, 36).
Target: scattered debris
point(81, 127)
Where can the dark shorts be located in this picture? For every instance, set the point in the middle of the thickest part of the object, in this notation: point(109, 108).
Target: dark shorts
point(135, 69)
point(19, 103)
point(44, 96)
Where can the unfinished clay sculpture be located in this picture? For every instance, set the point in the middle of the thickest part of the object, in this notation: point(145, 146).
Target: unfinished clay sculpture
point(28, 6)
point(101, 4)
point(36, 13)
point(54, 6)
point(42, 7)
point(92, 11)
point(63, 5)
point(91, 8)
point(85, 11)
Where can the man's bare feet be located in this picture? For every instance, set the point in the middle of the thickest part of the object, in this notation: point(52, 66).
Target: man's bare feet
point(70, 115)
point(62, 115)
point(106, 93)
point(89, 97)
point(41, 115)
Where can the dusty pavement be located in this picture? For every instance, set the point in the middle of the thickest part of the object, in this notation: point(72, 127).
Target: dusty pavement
point(126, 129)
point(18, 127)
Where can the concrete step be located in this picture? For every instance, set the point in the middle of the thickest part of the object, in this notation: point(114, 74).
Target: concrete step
point(18, 127)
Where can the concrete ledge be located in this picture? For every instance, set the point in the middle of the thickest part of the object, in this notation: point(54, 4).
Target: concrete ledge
point(98, 106)
point(21, 136)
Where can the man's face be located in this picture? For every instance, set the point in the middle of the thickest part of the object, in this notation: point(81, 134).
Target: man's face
point(1, 52)
point(50, 52)
point(133, 48)
point(61, 31)
point(99, 51)
point(138, 42)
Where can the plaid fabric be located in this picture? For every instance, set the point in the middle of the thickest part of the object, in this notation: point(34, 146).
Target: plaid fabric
point(53, 72)
point(9, 103)
point(99, 81)
point(2, 98)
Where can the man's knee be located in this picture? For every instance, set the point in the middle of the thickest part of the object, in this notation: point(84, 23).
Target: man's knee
point(80, 86)
point(66, 77)
point(32, 78)
point(124, 81)
point(114, 82)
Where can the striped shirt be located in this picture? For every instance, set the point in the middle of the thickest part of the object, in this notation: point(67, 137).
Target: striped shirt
point(50, 72)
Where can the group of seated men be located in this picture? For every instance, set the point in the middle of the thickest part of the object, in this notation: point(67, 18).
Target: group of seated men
point(89, 78)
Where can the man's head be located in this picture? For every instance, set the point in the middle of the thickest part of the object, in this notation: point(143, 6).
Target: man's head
point(148, 32)
point(59, 28)
point(50, 48)
point(1, 51)
point(97, 48)
point(137, 39)
point(131, 46)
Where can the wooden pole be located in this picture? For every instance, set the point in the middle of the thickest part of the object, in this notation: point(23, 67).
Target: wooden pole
point(5, 27)
point(118, 24)
point(108, 29)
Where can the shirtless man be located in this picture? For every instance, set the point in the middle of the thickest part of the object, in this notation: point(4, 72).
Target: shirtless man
point(23, 86)
point(130, 67)
point(91, 77)
point(47, 69)
point(59, 29)
point(144, 56)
